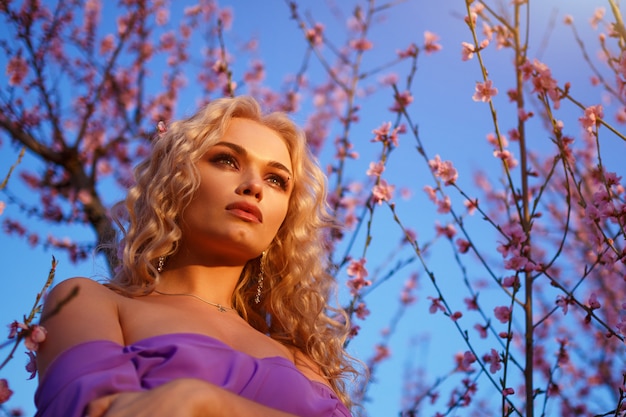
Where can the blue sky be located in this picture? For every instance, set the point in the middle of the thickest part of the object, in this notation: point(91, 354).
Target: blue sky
point(451, 125)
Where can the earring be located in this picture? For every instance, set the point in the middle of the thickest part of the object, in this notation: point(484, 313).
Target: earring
point(259, 288)
point(161, 264)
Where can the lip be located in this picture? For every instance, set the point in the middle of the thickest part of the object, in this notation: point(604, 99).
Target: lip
point(246, 211)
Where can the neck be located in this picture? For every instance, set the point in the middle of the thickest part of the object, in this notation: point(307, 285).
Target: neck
point(213, 283)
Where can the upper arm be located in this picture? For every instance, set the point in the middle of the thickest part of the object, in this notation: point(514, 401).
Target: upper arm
point(77, 310)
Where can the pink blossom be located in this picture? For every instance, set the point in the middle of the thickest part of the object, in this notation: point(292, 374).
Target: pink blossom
point(507, 157)
point(406, 296)
point(448, 230)
point(597, 17)
point(471, 206)
point(410, 236)
point(516, 263)
point(471, 303)
point(375, 169)
point(511, 282)
point(508, 391)
point(386, 135)
point(31, 366)
point(464, 361)
point(389, 79)
point(456, 315)
point(524, 115)
point(382, 192)
point(462, 245)
point(512, 95)
point(107, 44)
point(402, 100)
point(435, 305)
point(443, 170)
point(482, 330)
point(167, 41)
point(5, 392)
point(487, 29)
point(14, 328)
point(361, 311)
point(361, 45)
point(484, 91)
point(192, 10)
point(36, 335)
point(17, 69)
point(256, 73)
point(444, 205)
point(593, 302)
point(431, 193)
point(467, 52)
point(410, 51)
point(471, 19)
point(355, 284)
point(568, 19)
point(493, 358)
point(542, 79)
point(592, 117)
point(315, 35)
point(226, 17)
point(2, 207)
point(502, 313)
point(382, 352)
point(562, 355)
point(354, 330)
point(357, 270)
point(162, 16)
point(430, 42)
point(563, 303)
point(497, 141)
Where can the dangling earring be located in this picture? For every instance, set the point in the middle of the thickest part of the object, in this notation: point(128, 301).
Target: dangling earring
point(259, 281)
point(161, 264)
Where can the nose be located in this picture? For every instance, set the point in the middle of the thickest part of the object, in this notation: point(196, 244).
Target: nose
point(251, 186)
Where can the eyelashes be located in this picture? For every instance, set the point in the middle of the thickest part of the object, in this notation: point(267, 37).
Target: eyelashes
point(277, 180)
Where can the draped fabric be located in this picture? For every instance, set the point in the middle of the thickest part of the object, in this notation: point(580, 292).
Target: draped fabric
point(94, 369)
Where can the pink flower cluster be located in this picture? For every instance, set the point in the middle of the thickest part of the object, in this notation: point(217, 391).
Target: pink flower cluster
point(484, 91)
point(444, 170)
point(382, 192)
point(5, 392)
point(315, 35)
point(386, 135)
point(33, 335)
point(542, 80)
point(357, 270)
point(591, 119)
point(17, 70)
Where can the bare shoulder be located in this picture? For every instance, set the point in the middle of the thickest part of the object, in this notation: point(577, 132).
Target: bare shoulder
point(77, 310)
point(309, 368)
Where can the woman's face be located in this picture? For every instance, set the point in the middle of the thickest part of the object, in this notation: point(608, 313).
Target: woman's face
point(245, 183)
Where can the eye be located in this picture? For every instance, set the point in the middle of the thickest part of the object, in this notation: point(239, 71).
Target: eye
point(225, 159)
point(278, 180)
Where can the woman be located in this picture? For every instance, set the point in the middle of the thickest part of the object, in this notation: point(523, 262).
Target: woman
point(219, 306)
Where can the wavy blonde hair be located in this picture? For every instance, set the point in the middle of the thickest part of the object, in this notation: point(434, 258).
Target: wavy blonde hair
point(294, 309)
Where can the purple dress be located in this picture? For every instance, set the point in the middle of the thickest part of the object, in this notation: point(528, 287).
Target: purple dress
point(94, 369)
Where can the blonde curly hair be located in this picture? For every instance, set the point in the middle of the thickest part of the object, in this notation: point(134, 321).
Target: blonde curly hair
point(295, 306)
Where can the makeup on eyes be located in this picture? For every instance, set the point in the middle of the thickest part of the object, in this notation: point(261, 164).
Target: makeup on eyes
point(278, 176)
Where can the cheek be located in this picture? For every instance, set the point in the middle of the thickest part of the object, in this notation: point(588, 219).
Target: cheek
point(279, 216)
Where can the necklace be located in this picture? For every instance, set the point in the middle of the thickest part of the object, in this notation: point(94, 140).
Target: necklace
point(219, 307)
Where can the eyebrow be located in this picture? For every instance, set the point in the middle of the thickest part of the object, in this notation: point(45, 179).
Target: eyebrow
point(243, 152)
